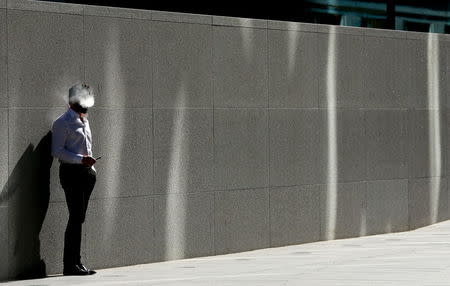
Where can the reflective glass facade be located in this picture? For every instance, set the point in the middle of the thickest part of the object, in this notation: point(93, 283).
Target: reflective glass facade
point(421, 16)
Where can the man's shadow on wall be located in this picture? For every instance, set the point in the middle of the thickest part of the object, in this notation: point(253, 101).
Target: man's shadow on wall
point(28, 195)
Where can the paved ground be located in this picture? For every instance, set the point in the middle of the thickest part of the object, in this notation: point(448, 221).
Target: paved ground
point(420, 257)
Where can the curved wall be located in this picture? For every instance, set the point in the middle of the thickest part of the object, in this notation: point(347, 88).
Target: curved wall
point(217, 134)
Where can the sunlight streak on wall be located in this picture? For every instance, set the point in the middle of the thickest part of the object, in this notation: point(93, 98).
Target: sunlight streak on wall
point(176, 204)
point(114, 94)
point(332, 172)
point(363, 223)
point(434, 135)
point(388, 228)
point(247, 40)
point(292, 50)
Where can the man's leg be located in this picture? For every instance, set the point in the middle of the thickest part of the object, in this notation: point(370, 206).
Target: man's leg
point(70, 178)
point(89, 183)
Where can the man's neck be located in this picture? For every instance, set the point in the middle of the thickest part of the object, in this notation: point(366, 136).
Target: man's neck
point(80, 115)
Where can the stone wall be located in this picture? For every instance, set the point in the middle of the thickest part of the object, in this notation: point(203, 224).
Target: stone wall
point(217, 134)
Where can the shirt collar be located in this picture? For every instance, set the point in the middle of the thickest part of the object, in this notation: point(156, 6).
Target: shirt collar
point(74, 115)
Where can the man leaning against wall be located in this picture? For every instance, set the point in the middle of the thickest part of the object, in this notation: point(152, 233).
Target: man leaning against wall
point(72, 145)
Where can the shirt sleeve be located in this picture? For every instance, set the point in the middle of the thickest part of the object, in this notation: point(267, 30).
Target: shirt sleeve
point(59, 135)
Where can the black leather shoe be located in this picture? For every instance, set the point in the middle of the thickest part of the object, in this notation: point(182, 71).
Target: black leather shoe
point(78, 269)
point(86, 269)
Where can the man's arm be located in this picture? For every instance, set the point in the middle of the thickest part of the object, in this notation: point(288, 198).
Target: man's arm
point(58, 141)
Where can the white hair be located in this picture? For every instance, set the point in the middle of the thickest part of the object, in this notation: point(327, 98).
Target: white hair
point(81, 94)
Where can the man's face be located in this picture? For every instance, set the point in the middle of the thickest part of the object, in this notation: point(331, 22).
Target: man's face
point(79, 109)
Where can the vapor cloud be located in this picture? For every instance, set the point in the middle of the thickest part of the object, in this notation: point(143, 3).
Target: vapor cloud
point(81, 94)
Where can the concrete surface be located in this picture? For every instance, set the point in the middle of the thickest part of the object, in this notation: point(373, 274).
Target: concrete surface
point(240, 67)
point(49, 7)
point(3, 59)
point(111, 237)
point(295, 215)
point(240, 148)
point(125, 141)
point(43, 59)
point(386, 135)
point(387, 206)
point(183, 143)
point(195, 226)
point(346, 52)
point(182, 56)
point(418, 257)
point(4, 241)
point(217, 134)
point(420, 151)
point(242, 220)
point(3, 155)
point(118, 59)
point(350, 214)
point(296, 156)
point(290, 83)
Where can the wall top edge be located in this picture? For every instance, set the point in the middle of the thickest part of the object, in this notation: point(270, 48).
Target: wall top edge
point(106, 11)
point(182, 17)
point(239, 22)
point(165, 16)
point(383, 33)
point(334, 29)
point(291, 26)
point(52, 7)
point(425, 36)
point(416, 35)
point(444, 37)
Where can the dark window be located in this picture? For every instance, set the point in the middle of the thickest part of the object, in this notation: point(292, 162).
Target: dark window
point(417, 27)
point(447, 29)
point(374, 23)
point(323, 18)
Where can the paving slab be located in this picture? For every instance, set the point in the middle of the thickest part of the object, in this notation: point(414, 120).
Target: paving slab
point(416, 257)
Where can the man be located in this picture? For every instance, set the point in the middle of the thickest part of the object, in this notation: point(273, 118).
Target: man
point(72, 145)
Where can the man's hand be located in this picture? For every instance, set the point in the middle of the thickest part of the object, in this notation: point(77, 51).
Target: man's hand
point(88, 161)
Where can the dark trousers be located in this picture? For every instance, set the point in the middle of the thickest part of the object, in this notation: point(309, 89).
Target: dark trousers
point(78, 182)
